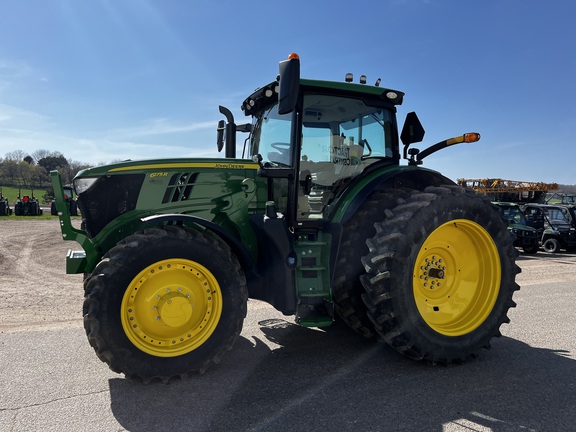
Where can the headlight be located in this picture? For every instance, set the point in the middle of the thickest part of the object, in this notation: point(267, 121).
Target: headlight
point(83, 184)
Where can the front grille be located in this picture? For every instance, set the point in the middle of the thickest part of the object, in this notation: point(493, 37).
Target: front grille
point(108, 198)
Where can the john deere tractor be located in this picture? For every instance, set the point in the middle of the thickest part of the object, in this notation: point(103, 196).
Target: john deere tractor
point(71, 203)
point(27, 205)
point(318, 218)
point(5, 209)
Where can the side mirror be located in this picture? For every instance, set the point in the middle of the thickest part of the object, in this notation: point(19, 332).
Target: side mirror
point(289, 84)
point(220, 135)
point(412, 131)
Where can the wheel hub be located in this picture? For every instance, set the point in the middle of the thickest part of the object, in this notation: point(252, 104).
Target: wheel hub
point(432, 272)
point(174, 309)
point(171, 307)
point(456, 277)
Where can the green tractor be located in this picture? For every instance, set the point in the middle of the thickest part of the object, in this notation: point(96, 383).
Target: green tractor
point(71, 203)
point(318, 218)
point(27, 205)
point(5, 209)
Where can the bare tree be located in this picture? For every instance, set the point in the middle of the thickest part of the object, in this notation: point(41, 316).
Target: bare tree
point(40, 154)
point(16, 155)
point(69, 171)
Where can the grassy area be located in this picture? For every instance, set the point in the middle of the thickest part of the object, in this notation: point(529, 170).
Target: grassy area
point(12, 194)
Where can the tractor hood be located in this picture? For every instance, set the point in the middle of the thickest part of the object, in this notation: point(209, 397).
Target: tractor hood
point(155, 168)
point(140, 189)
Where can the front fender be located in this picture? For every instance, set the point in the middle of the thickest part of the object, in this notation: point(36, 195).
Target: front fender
point(235, 244)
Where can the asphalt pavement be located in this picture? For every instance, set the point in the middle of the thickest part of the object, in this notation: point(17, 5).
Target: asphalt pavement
point(281, 377)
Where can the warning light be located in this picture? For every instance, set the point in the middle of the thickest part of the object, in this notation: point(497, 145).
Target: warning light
point(471, 137)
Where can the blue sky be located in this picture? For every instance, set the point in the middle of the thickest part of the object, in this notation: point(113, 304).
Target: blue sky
point(103, 80)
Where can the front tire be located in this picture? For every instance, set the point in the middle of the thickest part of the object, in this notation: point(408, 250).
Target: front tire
point(164, 303)
point(551, 245)
point(440, 275)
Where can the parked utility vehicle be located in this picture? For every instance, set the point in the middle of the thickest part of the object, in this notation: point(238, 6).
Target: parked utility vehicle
point(525, 237)
point(555, 222)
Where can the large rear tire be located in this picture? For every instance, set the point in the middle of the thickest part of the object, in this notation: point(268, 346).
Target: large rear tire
point(347, 289)
point(164, 303)
point(440, 275)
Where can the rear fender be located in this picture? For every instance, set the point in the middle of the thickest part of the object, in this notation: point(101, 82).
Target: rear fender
point(401, 178)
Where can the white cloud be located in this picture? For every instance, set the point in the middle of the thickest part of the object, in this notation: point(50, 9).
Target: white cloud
point(29, 131)
point(161, 126)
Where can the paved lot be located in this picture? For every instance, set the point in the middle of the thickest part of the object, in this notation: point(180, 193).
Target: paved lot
point(278, 376)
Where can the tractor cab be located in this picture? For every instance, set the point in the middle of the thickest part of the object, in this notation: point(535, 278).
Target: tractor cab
point(323, 146)
point(313, 138)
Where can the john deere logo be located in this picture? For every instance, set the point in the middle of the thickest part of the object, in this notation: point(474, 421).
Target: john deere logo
point(160, 174)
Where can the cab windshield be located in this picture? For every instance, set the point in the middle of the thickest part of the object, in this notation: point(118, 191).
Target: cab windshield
point(271, 137)
point(340, 131)
point(340, 137)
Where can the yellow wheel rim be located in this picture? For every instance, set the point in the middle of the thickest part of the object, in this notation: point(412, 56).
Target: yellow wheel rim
point(171, 307)
point(456, 277)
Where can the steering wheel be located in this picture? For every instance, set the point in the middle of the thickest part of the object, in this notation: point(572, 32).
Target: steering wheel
point(280, 146)
point(282, 158)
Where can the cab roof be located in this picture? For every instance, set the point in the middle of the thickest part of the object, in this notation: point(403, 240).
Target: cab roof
point(268, 94)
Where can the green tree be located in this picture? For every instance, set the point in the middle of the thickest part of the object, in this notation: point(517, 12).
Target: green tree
point(52, 162)
point(9, 171)
point(31, 175)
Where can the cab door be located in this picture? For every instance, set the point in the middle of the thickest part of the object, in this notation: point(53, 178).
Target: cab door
point(341, 137)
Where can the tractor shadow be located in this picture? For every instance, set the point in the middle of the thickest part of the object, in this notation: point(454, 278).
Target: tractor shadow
point(335, 380)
